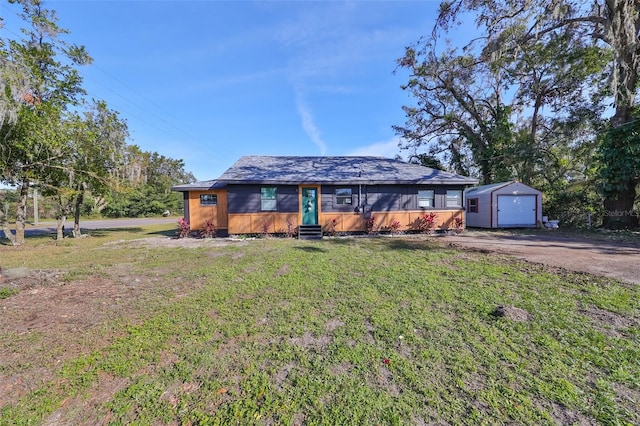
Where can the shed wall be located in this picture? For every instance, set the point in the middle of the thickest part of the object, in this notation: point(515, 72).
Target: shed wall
point(487, 215)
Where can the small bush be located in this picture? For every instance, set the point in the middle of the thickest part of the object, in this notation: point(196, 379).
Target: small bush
point(265, 228)
point(291, 229)
point(459, 224)
point(209, 230)
point(371, 224)
point(332, 227)
point(183, 228)
point(395, 227)
point(427, 222)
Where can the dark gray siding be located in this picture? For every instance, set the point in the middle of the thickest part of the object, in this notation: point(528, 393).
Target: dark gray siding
point(287, 199)
point(402, 197)
point(328, 198)
point(246, 198)
point(440, 196)
point(384, 198)
point(185, 208)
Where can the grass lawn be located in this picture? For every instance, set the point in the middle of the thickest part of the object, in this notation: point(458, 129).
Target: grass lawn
point(271, 331)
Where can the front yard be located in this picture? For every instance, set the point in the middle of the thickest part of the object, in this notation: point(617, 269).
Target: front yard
point(115, 329)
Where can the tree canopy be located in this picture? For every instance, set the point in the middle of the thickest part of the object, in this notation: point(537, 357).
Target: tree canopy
point(537, 93)
point(53, 136)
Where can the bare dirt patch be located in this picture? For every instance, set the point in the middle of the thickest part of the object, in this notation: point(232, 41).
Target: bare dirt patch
point(610, 323)
point(603, 258)
point(511, 313)
point(46, 325)
point(158, 242)
point(51, 319)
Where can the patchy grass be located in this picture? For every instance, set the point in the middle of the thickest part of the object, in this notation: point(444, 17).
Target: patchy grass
point(7, 292)
point(338, 331)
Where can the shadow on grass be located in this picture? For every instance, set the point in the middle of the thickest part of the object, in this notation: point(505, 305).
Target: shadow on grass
point(311, 249)
point(165, 233)
point(31, 236)
point(404, 242)
point(106, 231)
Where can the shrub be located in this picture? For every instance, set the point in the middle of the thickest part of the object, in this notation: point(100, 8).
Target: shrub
point(291, 229)
point(428, 222)
point(265, 228)
point(209, 230)
point(370, 225)
point(332, 227)
point(395, 227)
point(183, 228)
point(459, 224)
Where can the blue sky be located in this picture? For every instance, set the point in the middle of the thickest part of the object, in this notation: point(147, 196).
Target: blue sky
point(210, 81)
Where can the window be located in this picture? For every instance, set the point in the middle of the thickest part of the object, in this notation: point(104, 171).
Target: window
point(208, 200)
point(472, 205)
point(268, 198)
point(343, 196)
point(425, 198)
point(454, 198)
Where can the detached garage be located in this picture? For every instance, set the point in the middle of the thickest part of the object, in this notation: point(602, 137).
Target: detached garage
point(503, 205)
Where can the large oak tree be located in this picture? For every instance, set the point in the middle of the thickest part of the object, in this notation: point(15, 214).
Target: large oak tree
point(553, 56)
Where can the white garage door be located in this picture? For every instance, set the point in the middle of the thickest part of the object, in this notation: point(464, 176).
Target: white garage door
point(516, 211)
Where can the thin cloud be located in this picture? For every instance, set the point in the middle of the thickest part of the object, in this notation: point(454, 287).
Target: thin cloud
point(388, 149)
point(309, 125)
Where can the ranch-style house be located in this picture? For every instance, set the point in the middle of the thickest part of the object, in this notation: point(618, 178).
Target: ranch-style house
point(312, 195)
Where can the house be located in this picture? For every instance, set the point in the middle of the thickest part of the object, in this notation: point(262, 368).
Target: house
point(275, 194)
point(503, 205)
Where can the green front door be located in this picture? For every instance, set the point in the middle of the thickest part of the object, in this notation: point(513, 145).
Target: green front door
point(309, 206)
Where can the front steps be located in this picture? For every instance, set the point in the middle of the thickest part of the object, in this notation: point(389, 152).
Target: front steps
point(310, 232)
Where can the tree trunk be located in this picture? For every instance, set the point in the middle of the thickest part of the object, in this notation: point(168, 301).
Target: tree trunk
point(21, 212)
point(623, 24)
point(5, 227)
point(76, 211)
point(60, 227)
point(618, 209)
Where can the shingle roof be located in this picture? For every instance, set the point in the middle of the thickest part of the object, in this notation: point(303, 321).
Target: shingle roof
point(289, 170)
point(335, 170)
point(198, 186)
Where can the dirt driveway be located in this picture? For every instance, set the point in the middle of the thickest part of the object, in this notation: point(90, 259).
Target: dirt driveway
point(605, 258)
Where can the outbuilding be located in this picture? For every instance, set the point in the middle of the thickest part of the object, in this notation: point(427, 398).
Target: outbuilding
point(503, 205)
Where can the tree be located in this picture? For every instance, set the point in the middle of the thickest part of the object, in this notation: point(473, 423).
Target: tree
point(100, 142)
point(147, 179)
point(36, 142)
point(459, 109)
point(512, 27)
point(425, 160)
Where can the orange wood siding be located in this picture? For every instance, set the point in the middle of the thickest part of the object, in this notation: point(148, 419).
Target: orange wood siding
point(198, 215)
point(409, 220)
point(255, 223)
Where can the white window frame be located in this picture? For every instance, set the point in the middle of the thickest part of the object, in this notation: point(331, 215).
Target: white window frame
point(424, 201)
point(343, 199)
point(268, 203)
point(454, 201)
point(208, 200)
